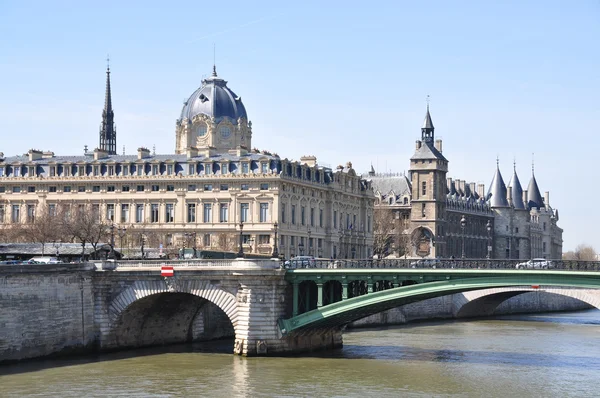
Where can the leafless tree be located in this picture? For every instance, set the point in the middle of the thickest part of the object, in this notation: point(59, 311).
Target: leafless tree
point(83, 224)
point(383, 231)
point(43, 228)
point(227, 242)
point(582, 252)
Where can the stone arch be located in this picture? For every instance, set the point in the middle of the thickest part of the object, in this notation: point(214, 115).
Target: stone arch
point(485, 301)
point(204, 289)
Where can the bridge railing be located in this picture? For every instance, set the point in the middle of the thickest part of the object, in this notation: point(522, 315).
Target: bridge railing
point(210, 263)
point(440, 263)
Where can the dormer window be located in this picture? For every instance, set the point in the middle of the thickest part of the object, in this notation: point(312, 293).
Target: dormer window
point(96, 171)
point(111, 170)
point(201, 131)
point(154, 169)
point(264, 167)
point(208, 169)
point(224, 168)
point(140, 169)
point(191, 169)
point(52, 171)
point(245, 168)
point(125, 170)
point(169, 169)
point(16, 171)
point(1, 171)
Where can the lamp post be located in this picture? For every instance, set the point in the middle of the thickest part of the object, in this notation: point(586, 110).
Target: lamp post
point(301, 247)
point(275, 248)
point(142, 241)
point(309, 242)
point(184, 243)
point(121, 231)
point(112, 241)
point(463, 224)
point(241, 250)
point(188, 236)
point(489, 245)
point(353, 250)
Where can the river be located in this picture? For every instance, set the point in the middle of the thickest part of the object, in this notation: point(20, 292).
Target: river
point(550, 355)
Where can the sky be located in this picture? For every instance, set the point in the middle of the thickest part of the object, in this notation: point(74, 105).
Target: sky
point(342, 80)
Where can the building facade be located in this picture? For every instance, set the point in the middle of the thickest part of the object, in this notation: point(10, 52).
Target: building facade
point(437, 216)
point(211, 193)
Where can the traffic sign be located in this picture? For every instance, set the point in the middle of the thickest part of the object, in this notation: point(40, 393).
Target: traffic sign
point(166, 270)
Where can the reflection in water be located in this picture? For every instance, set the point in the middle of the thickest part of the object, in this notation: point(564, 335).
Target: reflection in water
point(554, 355)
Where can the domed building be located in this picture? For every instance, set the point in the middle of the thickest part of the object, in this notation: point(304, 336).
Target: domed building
point(214, 193)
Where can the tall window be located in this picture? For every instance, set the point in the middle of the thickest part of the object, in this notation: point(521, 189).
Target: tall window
point(16, 213)
point(283, 213)
point(207, 212)
point(302, 214)
point(264, 212)
point(154, 169)
point(191, 212)
point(244, 208)
point(110, 212)
point(191, 169)
point(245, 168)
point(335, 219)
point(223, 212)
point(154, 212)
point(139, 213)
point(424, 188)
point(293, 214)
point(169, 169)
point(206, 240)
point(30, 213)
point(124, 212)
point(264, 168)
point(368, 223)
point(169, 212)
point(312, 216)
point(321, 218)
point(2, 213)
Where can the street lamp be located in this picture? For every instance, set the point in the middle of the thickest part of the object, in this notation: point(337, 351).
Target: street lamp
point(309, 242)
point(121, 231)
point(489, 246)
point(142, 241)
point(241, 251)
point(275, 248)
point(112, 241)
point(301, 246)
point(463, 224)
point(188, 236)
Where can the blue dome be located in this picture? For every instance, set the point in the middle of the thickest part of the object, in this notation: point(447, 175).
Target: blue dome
point(214, 99)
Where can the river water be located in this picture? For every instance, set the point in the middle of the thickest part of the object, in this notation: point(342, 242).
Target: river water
point(550, 355)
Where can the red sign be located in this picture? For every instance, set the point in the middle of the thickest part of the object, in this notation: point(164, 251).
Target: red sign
point(535, 286)
point(166, 270)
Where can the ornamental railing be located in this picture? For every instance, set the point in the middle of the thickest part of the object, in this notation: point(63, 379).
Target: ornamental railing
point(193, 263)
point(492, 264)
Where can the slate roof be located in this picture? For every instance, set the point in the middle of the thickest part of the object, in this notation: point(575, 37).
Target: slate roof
point(427, 151)
point(400, 185)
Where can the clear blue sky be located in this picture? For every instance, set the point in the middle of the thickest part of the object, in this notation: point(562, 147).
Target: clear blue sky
point(343, 80)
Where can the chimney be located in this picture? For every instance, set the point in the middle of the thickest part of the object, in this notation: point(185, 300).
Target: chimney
point(472, 188)
point(100, 154)
point(462, 186)
point(525, 197)
point(143, 153)
point(481, 190)
point(192, 152)
point(547, 199)
point(48, 155)
point(449, 184)
point(34, 154)
point(418, 145)
point(438, 145)
point(310, 161)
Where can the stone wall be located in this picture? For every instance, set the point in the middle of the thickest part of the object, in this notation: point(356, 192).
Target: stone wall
point(45, 309)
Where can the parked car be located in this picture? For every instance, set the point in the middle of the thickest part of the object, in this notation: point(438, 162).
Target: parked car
point(536, 263)
point(426, 263)
point(300, 262)
point(46, 260)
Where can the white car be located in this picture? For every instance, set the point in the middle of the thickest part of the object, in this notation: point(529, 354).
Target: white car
point(536, 263)
point(46, 260)
point(301, 262)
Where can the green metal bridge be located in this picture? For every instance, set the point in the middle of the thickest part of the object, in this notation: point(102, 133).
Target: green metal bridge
point(335, 295)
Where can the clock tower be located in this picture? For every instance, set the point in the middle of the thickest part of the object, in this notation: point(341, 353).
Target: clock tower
point(428, 168)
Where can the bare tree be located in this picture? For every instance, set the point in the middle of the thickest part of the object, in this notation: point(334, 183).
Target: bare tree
point(227, 242)
point(85, 225)
point(582, 252)
point(43, 229)
point(383, 231)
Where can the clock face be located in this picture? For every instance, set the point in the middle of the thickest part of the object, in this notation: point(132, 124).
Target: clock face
point(225, 133)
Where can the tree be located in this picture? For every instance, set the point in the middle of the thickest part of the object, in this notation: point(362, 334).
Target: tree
point(44, 228)
point(227, 242)
point(582, 252)
point(84, 225)
point(383, 230)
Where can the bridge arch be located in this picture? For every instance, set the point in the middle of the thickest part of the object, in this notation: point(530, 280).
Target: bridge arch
point(173, 312)
point(485, 302)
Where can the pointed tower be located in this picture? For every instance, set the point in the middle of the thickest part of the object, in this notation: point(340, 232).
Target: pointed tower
point(534, 195)
point(428, 169)
point(514, 186)
point(108, 131)
point(497, 194)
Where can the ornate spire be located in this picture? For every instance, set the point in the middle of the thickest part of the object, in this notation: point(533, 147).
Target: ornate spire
point(427, 130)
point(108, 131)
point(214, 73)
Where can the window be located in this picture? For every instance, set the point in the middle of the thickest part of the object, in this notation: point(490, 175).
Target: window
point(140, 169)
point(312, 216)
point(335, 219)
point(207, 212)
point(206, 240)
point(125, 169)
point(16, 213)
point(52, 189)
point(208, 187)
point(155, 188)
point(169, 212)
point(154, 169)
point(2, 214)
point(321, 218)
point(2, 189)
point(96, 188)
point(16, 189)
point(264, 239)
point(208, 168)
point(191, 169)
point(30, 213)
point(202, 127)
point(110, 188)
point(110, 212)
point(224, 168)
point(245, 168)
point(170, 188)
point(51, 211)
point(283, 213)
point(139, 213)
point(264, 187)
point(139, 188)
point(368, 223)
point(264, 212)
point(224, 187)
point(81, 170)
point(111, 170)
point(225, 132)
point(244, 187)
point(192, 187)
point(81, 188)
point(96, 171)
point(16, 171)
point(543, 247)
point(95, 211)
point(125, 188)
point(244, 207)
point(223, 212)
point(302, 211)
point(293, 214)
point(423, 209)
point(424, 188)
point(169, 169)
point(544, 225)
point(124, 212)
point(264, 168)
point(246, 239)
point(154, 212)
point(191, 212)
point(516, 230)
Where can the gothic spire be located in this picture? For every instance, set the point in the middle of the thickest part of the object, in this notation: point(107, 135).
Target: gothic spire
point(427, 130)
point(108, 131)
point(497, 194)
point(516, 190)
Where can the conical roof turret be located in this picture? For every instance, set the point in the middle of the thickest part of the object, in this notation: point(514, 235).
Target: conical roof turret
point(516, 191)
point(496, 196)
point(534, 195)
